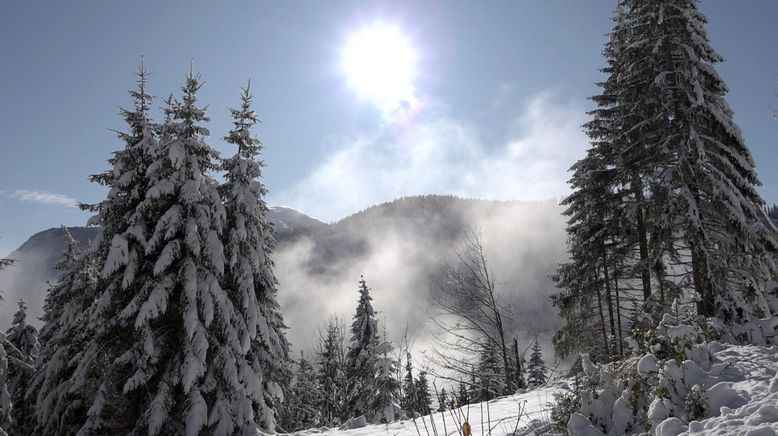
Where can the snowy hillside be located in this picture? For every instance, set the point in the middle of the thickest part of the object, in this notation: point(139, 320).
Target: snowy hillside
point(743, 402)
point(521, 413)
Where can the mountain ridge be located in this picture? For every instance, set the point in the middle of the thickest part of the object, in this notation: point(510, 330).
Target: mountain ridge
point(399, 246)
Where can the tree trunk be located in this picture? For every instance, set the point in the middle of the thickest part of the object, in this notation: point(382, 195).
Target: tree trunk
point(659, 275)
point(618, 311)
point(608, 297)
point(504, 350)
point(645, 270)
point(519, 375)
point(602, 315)
point(705, 304)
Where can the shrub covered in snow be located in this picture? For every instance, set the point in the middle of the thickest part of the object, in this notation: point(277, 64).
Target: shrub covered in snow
point(672, 379)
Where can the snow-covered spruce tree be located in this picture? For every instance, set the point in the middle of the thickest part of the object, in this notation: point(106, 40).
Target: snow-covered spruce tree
point(607, 228)
point(630, 161)
point(331, 375)
point(408, 402)
point(423, 394)
point(536, 368)
point(706, 226)
point(127, 181)
point(627, 168)
point(24, 338)
point(180, 366)
point(361, 357)
point(119, 253)
point(489, 373)
point(707, 172)
point(387, 387)
point(249, 276)
point(301, 411)
point(580, 305)
point(596, 258)
point(11, 360)
point(58, 390)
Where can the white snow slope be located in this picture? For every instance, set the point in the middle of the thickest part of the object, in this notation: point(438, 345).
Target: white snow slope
point(750, 408)
point(756, 382)
point(524, 413)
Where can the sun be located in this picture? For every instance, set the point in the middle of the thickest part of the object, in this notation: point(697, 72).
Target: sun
point(379, 62)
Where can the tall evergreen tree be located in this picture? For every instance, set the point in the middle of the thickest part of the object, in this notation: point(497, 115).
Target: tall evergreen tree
point(22, 335)
point(302, 406)
point(59, 391)
point(489, 372)
point(607, 198)
point(120, 253)
point(250, 240)
point(12, 361)
point(408, 403)
point(664, 202)
point(160, 380)
point(423, 394)
point(387, 387)
point(707, 178)
point(536, 369)
point(24, 338)
point(331, 376)
point(361, 357)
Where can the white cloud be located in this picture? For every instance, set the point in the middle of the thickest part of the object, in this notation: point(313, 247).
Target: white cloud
point(42, 197)
point(444, 155)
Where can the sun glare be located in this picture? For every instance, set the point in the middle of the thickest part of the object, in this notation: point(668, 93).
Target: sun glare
point(379, 62)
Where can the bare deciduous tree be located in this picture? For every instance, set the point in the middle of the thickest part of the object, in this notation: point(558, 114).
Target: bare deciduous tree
point(470, 316)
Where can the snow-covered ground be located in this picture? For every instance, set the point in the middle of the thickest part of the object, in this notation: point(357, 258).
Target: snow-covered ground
point(755, 413)
point(750, 407)
point(521, 413)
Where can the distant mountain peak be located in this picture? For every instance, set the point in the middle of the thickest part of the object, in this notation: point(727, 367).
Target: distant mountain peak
point(286, 218)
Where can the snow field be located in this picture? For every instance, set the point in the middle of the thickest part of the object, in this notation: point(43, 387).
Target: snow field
point(520, 414)
point(753, 410)
point(744, 403)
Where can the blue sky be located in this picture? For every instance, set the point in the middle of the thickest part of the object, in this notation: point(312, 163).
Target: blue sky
point(503, 86)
